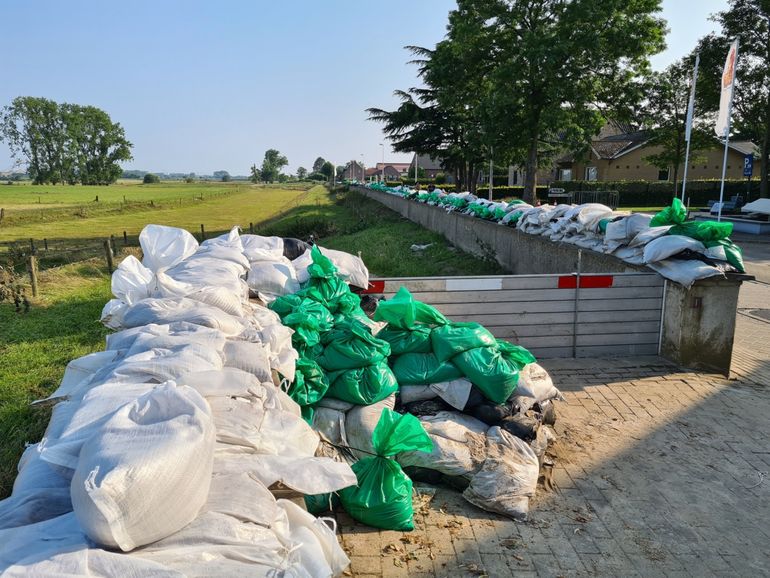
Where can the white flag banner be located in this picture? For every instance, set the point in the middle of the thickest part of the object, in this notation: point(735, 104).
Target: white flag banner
point(728, 83)
point(691, 104)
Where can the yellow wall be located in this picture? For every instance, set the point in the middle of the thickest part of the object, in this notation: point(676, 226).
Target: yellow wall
point(633, 167)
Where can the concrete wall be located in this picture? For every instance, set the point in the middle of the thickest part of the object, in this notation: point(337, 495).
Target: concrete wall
point(698, 324)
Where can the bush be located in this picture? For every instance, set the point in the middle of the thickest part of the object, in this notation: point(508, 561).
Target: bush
point(150, 179)
point(659, 193)
point(440, 178)
point(316, 177)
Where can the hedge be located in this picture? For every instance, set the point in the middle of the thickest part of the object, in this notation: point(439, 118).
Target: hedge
point(657, 193)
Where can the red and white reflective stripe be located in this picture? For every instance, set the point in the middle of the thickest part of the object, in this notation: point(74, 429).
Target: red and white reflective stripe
point(375, 286)
point(586, 281)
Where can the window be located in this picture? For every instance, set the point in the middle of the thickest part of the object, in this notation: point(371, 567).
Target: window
point(591, 174)
point(663, 174)
point(565, 174)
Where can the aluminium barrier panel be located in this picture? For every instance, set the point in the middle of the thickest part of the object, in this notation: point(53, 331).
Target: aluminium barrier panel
point(586, 315)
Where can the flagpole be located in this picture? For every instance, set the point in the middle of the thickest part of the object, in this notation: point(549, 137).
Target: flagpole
point(688, 126)
point(727, 133)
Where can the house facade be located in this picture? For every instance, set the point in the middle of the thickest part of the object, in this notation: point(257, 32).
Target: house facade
point(620, 155)
point(354, 171)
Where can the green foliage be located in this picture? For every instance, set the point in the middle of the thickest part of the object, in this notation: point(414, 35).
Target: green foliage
point(223, 176)
point(749, 21)
point(272, 164)
point(523, 78)
point(327, 170)
point(64, 143)
point(301, 173)
point(150, 179)
point(317, 164)
point(256, 174)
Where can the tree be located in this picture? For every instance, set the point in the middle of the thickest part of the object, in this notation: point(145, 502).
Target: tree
point(272, 164)
point(339, 171)
point(150, 179)
point(64, 142)
point(223, 176)
point(327, 170)
point(256, 175)
point(420, 172)
point(521, 80)
point(749, 21)
point(319, 162)
point(301, 173)
point(664, 113)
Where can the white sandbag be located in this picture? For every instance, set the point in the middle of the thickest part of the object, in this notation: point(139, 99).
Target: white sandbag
point(82, 369)
point(58, 547)
point(633, 255)
point(227, 382)
point(208, 344)
point(262, 317)
point(230, 240)
point(162, 311)
point(253, 245)
point(535, 382)
point(338, 404)
point(351, 268)
point(459, 447)
point(146, 472)
point(39, 493)
point(232, 256)
point(219, 297)
point(508, 477)
point(157, 365)
point(165, 246)
point(301, 265)
point(320, 553)
point(74, 422)
point(360, 422)
point(669, 245)
point(308, 475)
point(646, 235)
point(331, 423)
point(411, 393)
point(131, 281)
point(685, 272)
point(112, 314)
point(242, 496)
point(273, 278)
point(285, 363)
point(177, 333)
point(250, 357)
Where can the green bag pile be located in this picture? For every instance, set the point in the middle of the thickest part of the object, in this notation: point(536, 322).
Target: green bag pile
point(383, 496)
point(339, 356)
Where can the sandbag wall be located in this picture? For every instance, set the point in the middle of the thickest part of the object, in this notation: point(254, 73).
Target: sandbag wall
point(165, 452)
point(679, 250)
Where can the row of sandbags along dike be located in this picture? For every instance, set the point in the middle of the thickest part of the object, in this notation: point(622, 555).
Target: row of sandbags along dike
point(245, 391)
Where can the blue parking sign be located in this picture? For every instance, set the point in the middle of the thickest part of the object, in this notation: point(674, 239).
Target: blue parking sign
point(748, 165)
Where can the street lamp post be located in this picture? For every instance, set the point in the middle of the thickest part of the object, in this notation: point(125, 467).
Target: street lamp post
point(383, 163)
point(363, 170)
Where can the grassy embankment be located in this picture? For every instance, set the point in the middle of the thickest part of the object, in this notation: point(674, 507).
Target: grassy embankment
point(63, 323)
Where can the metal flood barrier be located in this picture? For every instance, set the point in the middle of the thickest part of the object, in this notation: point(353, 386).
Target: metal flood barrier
point(575, 315)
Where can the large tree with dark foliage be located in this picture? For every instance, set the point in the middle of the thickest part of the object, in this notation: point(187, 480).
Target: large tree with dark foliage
point(64, 143)
point(525, 79)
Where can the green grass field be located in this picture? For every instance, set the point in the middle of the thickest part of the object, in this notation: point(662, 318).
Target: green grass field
point(176, 204)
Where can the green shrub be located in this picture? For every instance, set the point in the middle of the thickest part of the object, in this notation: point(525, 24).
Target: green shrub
point(150, 179)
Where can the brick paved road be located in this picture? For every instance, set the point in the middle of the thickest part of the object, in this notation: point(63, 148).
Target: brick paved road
point(660, 472)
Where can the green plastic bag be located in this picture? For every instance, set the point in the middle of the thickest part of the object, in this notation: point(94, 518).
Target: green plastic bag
point(704, 231)
point(383, 496)
point(324, 286)
point(363, 385)
point(453, 338)
point(321, 503)
point(516, 354)
point(489, 370)
point(402, 341)
point(310, 383)
point(350, 345)
point(733, 253)
point(423, 369)
point(285, 304)
point(603, 225)
point(308, 319)
point(672, 215)
point(403, 312)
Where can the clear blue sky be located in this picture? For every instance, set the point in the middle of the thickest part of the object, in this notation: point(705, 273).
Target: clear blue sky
point(202, 86)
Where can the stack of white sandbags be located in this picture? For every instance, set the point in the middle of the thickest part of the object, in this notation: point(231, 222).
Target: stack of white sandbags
point(165, 444)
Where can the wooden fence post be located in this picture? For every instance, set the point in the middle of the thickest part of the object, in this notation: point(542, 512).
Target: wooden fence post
point(125, 238)
point(113, 245)
point(32, 246)
point(251, 228)
point(32, 267)
point(45, 244)
point(108, 253)
point(203, 233)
